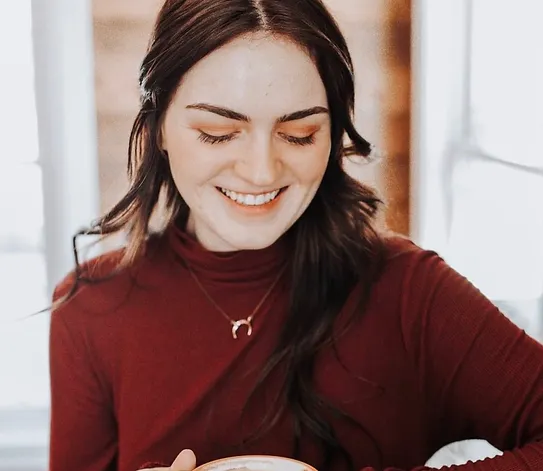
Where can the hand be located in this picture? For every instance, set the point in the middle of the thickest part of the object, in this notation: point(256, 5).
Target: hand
point(185, 461)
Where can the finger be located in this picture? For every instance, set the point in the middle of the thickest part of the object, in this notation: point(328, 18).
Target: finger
point(185, 461)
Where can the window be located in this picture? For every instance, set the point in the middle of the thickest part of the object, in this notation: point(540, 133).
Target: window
point(479, 160)
point(22, 259)
point(48, 141)
point(477, 168)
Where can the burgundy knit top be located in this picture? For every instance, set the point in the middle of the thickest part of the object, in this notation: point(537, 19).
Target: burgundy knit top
point(143, 366)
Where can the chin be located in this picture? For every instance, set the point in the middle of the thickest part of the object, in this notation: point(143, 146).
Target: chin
point(253, 241)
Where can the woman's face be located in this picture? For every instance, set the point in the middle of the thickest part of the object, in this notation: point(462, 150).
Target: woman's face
point(248, 139)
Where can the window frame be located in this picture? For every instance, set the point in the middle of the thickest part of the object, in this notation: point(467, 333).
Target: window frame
point(65, 104)
point(442, 137)
point(438, 103)
point(441, 122)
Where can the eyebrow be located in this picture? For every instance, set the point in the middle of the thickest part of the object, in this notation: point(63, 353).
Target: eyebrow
point(230, 114)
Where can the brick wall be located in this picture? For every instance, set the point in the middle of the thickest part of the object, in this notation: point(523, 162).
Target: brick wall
point(378, 33)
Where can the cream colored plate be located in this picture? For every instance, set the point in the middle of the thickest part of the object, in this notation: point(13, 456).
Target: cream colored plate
point(255, 463)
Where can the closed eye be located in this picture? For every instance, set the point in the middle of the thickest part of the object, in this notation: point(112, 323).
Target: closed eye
point(299, 141)
point(210, 139)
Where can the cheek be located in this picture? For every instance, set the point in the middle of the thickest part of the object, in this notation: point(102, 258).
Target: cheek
point(310, 168)
point(191, 163)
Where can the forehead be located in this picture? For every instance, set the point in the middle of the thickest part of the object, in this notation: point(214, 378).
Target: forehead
point(261, 76)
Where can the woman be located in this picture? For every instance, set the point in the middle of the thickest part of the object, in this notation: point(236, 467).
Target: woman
point(269, 317)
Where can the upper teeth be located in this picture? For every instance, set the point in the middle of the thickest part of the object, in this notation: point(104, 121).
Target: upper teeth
point(250, 200)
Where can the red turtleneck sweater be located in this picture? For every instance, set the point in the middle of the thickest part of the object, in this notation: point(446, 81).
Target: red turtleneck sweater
point(142, 365)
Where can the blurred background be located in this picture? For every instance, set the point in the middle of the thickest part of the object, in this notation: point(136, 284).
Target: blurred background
point(450, 92)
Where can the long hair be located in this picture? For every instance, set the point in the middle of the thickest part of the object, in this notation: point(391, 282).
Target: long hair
point(334, 243)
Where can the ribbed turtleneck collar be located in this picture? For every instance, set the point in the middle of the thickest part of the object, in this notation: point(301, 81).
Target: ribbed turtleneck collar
point(238, 266)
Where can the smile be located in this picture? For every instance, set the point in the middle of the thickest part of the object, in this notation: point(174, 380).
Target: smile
point(249, 199)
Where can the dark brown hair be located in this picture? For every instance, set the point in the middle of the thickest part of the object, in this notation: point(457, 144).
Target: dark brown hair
point(334, 244)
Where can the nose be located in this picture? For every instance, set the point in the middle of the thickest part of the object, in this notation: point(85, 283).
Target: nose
point(261, 165)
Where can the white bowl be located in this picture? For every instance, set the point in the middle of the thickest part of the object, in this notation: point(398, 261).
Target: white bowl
point(255, 463)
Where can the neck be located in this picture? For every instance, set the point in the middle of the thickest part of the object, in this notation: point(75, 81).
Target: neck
point(208, 240)
point(228, 265)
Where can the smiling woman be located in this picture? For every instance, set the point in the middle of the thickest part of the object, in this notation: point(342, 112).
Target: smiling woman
point(267, 153)
point(269, 317)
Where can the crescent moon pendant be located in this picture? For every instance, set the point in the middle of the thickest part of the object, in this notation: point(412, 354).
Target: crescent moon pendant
point(242, 322)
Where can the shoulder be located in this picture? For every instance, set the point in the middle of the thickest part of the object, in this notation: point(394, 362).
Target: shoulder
point(103, 267)
point(411, 275)
point(424, 291)
point(104, 283)
point(404, 258)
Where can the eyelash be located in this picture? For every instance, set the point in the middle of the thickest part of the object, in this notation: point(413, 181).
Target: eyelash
point(299, 141)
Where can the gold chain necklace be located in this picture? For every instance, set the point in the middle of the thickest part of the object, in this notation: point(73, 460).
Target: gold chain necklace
point(236, 324)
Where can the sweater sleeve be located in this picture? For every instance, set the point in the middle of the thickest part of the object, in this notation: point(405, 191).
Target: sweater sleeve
point(83, 431)
point(481, 375)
